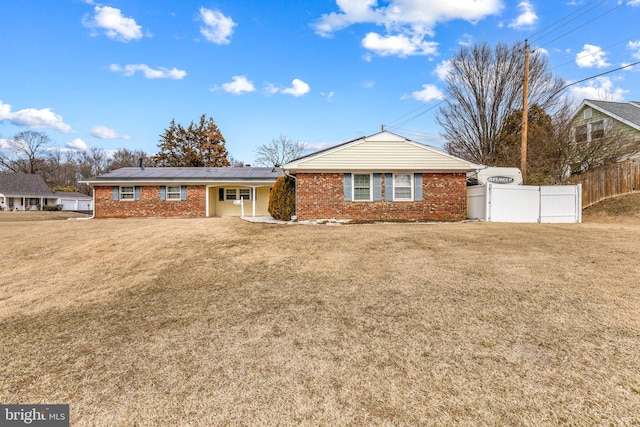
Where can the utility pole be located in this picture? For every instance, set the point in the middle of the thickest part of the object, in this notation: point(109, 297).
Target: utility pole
point(525, 113)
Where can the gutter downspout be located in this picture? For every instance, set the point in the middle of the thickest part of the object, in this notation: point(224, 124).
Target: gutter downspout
point(93, 215)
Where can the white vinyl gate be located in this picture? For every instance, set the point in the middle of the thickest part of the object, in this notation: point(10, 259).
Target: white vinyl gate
point(525, 203)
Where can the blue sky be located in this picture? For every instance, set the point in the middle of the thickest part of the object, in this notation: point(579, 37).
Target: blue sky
point(114, 74)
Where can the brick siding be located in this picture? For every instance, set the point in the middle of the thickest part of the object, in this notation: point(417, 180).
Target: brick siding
point(320, 195)
point(150, 204)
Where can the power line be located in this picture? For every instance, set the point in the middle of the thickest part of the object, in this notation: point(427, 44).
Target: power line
point(563, 18)
point(593, 77)
point(580, 26)
point(410, 119)
point(595, 53)
point(404, 115)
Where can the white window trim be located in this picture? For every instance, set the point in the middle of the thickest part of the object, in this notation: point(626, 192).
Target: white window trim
point(173, 196)
point(226, 194)
point(122, 193)
point(240, 195)
point(237, 194)
point(353, 187)
point(411, 185)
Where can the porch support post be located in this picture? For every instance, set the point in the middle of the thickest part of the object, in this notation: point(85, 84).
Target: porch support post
point(253, 200)
point(206, 198)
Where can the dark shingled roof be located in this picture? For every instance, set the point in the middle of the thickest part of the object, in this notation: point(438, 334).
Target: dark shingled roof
point(22, 184)
point(627, 111)
point(189, 174)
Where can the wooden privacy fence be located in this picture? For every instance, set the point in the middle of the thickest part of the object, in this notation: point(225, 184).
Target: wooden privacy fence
point(609, 181)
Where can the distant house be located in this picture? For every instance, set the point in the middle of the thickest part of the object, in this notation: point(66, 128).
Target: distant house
point(183, 192)
point(594, 120)
point(74, 201)
point(381, 177)
point(21, 191)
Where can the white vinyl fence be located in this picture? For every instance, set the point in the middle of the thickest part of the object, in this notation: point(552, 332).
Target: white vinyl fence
point(525, 203)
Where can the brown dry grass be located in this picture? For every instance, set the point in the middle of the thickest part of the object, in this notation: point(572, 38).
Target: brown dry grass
point(216, 321)
point(14, 216)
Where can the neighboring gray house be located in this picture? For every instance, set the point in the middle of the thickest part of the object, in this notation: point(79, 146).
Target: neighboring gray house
point(21, 191)
point(595, 119)
point(29, 192)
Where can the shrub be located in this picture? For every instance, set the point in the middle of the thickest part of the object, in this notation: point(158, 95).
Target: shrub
point(282, 203)
point(52, 208)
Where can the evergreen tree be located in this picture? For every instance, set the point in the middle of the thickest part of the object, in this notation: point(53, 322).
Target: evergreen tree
point(199, 145)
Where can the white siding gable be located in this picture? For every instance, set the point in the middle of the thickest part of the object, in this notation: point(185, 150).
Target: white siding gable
point(381, 151)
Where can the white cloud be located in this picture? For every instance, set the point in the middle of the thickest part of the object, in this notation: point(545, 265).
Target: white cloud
point(33, 118)
point(599, 88)
point(465, 40)
point(635, 47)
point(238, 85)
point(271, 89)
point(407, 22)
point(217, 28)
point(149, 73)
point(399, 45)
point(526, 18)
point(633, 3)
point(114, 24)
point(77, 144)
point(329, 95)
point(104, 132)
point(592, 56)
point(298, 88)
point(428, 93)
point(419, 15)
point(443, 69)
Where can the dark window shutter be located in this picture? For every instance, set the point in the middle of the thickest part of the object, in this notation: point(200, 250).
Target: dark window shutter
point(388, 187)
point(377, 187)
point(347, 187)
point(116, 192)
point(221, 194)
point(183, 192)
point(163, 192)
point(417, 186)
point(136, 192)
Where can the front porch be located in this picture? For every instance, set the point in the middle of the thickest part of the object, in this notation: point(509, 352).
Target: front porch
point(242, 200)
point(25, 203)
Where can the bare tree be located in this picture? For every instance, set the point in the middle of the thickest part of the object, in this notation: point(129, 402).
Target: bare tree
point(279, 151)
point(235, 163)
point(484, 87)
point(25, 152)
point(124, 157)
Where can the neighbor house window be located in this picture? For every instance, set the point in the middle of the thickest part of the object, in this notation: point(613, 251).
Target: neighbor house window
point(230, 194)
point(245, 194)
point(581, 133)
point(173, 192)
point(588, 112)
point(361, 187)
point(127, 193)
point(597, 130)
point(402, 187)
